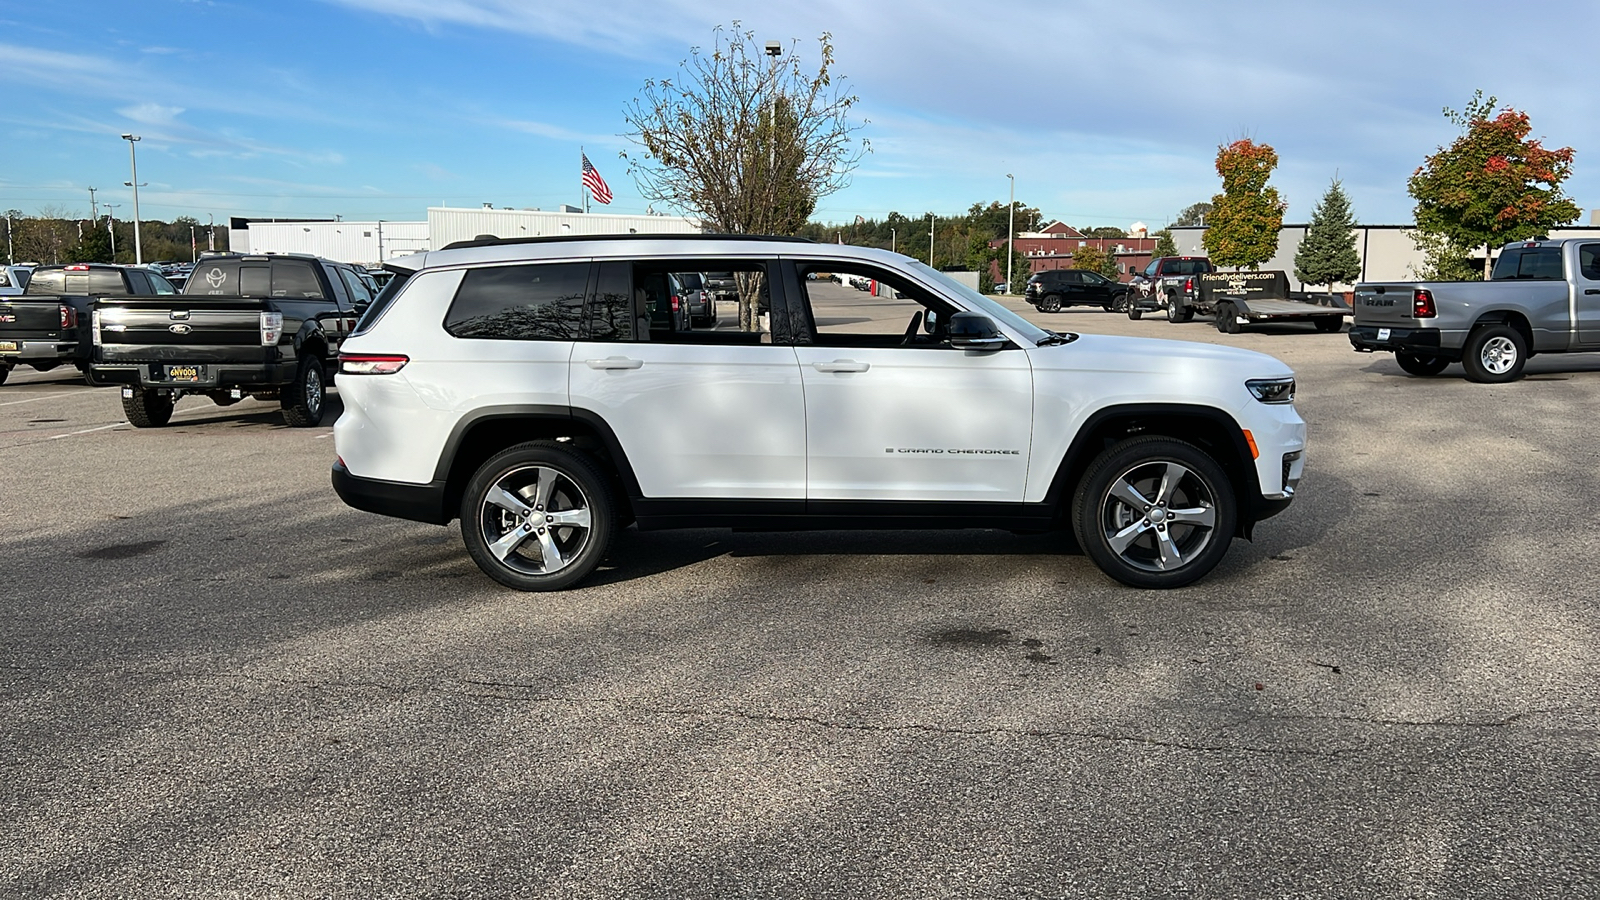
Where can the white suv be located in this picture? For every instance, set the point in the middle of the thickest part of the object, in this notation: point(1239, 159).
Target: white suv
point(535, 389)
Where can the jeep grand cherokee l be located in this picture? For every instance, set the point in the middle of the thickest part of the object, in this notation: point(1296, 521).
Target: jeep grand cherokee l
point(525, 387)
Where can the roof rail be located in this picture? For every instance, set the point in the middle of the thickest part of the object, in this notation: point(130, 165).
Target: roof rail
point(572, 238)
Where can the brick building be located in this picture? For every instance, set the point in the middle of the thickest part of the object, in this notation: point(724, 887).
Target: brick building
point(1052, 247)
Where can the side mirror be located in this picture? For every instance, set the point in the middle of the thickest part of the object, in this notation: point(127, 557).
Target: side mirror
point(974, 331)
point(360, 306)
point(930, 321)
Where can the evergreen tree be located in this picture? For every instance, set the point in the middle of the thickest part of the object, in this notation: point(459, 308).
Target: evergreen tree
point(1165, 246)
point(93, 247)
point(1328, 254)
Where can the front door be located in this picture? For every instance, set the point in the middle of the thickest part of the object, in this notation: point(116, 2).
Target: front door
point(1588, 294)
point(893, 412)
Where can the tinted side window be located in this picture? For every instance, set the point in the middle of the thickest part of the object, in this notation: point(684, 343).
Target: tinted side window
point(103, 281)
point(520, 303)
point(612, 315)
point(137, 283)
point(161, 285)
point(295, 279)
point(381, 303)
point(1589, 261)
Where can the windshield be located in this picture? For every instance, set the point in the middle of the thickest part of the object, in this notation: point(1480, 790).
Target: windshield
point(979, 303)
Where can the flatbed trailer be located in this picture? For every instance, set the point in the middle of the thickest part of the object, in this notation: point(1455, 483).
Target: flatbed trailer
point(1236, 300)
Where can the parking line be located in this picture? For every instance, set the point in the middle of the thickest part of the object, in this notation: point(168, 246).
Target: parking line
point(32, 399)
point(87, 430)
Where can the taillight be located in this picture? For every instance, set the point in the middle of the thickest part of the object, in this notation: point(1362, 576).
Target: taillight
point(271, 328)
point(1422, 305)
point(674, 302)
point(94, 317)
point(76, 268)
point(1188, 285)
point(69, 317)
point(371, 363)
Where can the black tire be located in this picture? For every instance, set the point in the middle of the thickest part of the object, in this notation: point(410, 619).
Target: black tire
point(1494, 354)
point(1134, 312)
point(148, 408)
point(1227, 320)
point(1329, 324)
point(1416, 364)
point(1050, 303)
point(5, 371)
point(567, 482)
point(1177, 312)
point(304, 401)
point(1153, 552)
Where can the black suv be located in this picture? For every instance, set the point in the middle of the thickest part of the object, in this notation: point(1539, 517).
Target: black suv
point(1050, 290)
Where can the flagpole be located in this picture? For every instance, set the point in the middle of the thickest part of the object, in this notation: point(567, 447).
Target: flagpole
point(581, 186)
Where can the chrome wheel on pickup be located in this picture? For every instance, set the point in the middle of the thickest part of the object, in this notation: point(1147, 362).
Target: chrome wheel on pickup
point(1155, 512)
point(1495, 354)
point(537, 517)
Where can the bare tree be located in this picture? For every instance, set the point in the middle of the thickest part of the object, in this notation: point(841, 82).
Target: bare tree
point(44, 238)
point(746, 144)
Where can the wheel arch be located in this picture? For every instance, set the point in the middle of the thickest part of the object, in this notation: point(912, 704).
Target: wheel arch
point(1515, 319)
point(484, 432)
point(1207, 427)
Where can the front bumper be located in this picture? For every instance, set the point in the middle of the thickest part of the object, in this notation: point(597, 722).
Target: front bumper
point(1422, 341)
point(215, 375)
point(417, 502)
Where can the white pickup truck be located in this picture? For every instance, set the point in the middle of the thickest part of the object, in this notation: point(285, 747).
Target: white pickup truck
point(1542, 297)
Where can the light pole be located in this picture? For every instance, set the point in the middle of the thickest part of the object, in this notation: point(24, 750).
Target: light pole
point(774, 50)
point(930, 240)
point(133, 163)
point(211, 231)
point(111, 227)
point(892, 237)
point(11, 258)
point(1011, 229)
point(94, 211)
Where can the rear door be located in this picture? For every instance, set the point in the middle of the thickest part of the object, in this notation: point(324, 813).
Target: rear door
point(702, 412)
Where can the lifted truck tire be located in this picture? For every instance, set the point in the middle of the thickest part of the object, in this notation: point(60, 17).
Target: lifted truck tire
point(148, 408)
point(1328, 324)
point(1177, 311)
point(1416, 364)
point(303, 401)
point(1154, 512)
point(1494, 354)
point(1134, 312)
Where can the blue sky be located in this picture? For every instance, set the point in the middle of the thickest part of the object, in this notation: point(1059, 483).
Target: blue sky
point(1105, 112)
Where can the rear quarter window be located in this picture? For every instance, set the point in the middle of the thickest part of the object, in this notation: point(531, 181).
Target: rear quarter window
point(286, 278)
point(1520, 263)
point(520, 303)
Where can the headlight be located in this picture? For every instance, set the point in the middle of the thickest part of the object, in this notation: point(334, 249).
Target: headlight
point(1272, 390)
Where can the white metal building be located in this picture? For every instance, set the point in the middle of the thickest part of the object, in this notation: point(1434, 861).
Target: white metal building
point(447, 225)
point(366, 243)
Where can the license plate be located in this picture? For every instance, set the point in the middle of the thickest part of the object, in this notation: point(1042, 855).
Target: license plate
point(1383, 334)
point(10, 346)
point(185, 373)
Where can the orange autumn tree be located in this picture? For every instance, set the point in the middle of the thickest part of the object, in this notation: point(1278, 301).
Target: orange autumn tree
point(1242, 227)
point(1493, 184)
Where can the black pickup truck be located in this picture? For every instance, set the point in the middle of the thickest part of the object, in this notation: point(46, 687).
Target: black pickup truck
point(267, 327)
point(47, 325)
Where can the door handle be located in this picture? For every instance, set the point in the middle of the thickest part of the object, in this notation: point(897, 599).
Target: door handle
point(614, 362)
point(1592, 291)
point(841, 365)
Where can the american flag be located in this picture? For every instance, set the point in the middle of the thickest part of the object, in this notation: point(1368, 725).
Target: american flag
point(593, 181)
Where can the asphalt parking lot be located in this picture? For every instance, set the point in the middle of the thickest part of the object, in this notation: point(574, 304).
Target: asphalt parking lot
point(219, 681)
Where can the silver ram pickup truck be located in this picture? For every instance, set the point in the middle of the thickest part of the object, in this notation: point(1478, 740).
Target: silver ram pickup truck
point(1542, 297)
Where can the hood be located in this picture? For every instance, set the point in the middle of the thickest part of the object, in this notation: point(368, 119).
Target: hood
point(1112, 353)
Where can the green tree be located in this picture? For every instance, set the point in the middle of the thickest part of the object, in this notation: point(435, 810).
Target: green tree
point(745, 141)
point(1105, 231)
point(93, 247)
point(1328, 254)
point(1165, 246)
point(1443, 260)
point(1493, 184)
point(1242, 227)
point(1092, 258)
point(1193, 214)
